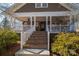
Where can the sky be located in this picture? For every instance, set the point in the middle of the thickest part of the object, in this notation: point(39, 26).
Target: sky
point(3, 7)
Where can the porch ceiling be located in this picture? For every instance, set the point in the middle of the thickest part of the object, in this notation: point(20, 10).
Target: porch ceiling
point(23, 18)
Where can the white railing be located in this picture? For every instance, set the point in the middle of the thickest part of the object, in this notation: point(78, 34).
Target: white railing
point(58, 28)
point(48, 37)
point(19, 28)
point(26, 34)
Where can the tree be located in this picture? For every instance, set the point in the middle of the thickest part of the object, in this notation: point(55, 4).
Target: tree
point(5, 23)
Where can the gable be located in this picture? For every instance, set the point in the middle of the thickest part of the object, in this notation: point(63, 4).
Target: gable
point(30, 7)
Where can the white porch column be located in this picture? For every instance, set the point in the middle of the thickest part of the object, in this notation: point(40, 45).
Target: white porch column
point(70, 23)
point(11, 22)
point(35, 22)
point(75, 23)
point(21, 41)
point(48, 40)
point(31, 21)
point(50, 23)
point(47, 23)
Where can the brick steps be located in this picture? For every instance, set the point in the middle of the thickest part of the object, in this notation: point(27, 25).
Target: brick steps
point(37, 40)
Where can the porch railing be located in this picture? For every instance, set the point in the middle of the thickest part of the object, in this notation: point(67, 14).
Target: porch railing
point(26, 33)
point(58, 28)
point(19, 28)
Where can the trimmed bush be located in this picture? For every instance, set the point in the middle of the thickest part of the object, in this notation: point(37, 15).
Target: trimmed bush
point(7, 37)
point(66, 44)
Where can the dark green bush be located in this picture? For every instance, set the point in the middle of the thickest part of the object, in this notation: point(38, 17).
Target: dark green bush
point(7, 37)
point(66, 44)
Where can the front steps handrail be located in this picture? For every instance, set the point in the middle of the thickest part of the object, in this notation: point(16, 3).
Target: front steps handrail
point(48, 37)
point(25, 35)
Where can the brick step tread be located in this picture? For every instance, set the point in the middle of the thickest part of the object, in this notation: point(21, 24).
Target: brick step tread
point(35, 46)
point(38, 38)
point(39, 33)
point(41, 47)
point(37, 43)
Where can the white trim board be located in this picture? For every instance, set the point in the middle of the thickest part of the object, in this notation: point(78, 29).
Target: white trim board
point(66, 6)
point(57, 13)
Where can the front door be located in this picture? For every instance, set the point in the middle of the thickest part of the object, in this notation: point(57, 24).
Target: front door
point(41, 26)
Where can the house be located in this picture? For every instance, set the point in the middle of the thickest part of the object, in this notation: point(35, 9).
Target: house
point(36, 21)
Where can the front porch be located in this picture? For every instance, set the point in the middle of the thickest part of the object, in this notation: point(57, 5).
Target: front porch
point(30, 40)
point(48, 24)
point(53, 24)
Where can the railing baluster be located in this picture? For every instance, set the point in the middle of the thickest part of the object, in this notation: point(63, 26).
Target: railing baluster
point(26, 34)
point(58, 28)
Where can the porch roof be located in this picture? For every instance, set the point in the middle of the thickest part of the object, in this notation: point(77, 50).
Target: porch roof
point(14, 7)
point(69, 6)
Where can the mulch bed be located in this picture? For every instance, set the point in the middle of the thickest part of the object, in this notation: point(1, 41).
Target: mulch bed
point(11, 50)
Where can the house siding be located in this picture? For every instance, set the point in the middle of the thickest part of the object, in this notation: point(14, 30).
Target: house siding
point(30, 7)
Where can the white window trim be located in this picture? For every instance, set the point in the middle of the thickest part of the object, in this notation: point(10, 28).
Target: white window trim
point(41, 5)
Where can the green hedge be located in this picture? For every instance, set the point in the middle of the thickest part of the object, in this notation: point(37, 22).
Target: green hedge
point(7, 37)
point(65, 44)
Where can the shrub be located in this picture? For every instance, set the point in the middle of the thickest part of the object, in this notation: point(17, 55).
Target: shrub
point(7, 37)
point(65, 44)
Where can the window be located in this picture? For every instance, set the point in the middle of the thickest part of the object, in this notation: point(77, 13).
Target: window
point(41, 5)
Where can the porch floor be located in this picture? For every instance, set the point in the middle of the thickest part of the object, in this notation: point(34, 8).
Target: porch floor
point(38, 40)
